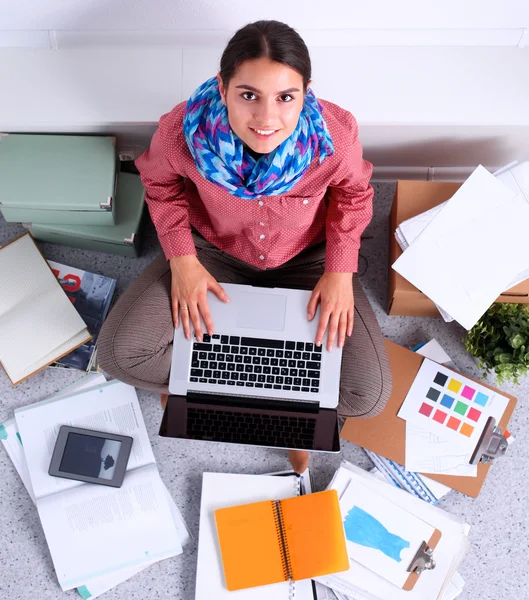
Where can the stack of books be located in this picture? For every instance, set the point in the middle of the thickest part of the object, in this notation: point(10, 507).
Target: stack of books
point(98, 536)
point(67, 189)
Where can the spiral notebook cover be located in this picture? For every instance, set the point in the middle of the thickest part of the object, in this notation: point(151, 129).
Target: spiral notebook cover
point(272, 541)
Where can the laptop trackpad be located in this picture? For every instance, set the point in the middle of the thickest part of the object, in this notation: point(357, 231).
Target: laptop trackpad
point(262, 311)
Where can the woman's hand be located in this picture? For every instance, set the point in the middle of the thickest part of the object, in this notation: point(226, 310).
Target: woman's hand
point(334, 293)
point(190, 282)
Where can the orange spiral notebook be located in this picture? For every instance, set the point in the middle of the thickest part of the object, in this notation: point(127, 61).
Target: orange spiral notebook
point(282, 540)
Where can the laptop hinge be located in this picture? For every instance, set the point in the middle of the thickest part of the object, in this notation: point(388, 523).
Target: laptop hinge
point(261, 402)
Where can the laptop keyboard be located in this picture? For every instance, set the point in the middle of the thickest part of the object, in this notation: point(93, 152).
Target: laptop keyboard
point(256, 363)
point(250, 428)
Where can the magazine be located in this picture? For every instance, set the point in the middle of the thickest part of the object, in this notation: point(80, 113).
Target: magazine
point(91, 295)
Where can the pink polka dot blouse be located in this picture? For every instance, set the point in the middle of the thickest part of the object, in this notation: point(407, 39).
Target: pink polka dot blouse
point(332, 201)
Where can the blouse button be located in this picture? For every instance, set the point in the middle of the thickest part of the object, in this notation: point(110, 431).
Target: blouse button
point(261, 203)
point(261, 257)
point(305, 201)
point(261, 223)
point(262, 236)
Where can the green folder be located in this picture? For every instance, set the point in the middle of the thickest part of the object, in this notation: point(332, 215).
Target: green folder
point(68, 179)
point(123, 238)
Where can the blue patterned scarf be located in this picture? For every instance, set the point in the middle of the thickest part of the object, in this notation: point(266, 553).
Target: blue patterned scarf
point(220, 156)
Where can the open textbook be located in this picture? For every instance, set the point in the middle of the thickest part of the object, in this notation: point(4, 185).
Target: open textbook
point(94, 531)
point(10, 438)
point(38, 323)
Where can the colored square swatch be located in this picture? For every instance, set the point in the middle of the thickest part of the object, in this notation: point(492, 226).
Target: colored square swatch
point(453, 423)
point(468, 392)
point(440, 416)
point(454, 385)
point(461, 408)
point(474, 414)
point(466, 429)
point(447, 401)
point(440, 379)
point(481, 399)
point(433, 394)
point(426, 409)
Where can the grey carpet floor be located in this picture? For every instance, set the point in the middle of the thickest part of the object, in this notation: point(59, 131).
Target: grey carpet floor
point(494, 568)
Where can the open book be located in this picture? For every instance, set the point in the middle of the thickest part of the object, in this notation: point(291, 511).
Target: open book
point(94, 530)
point(38, 323)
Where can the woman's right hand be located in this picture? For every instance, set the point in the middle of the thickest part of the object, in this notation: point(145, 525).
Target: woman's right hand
point(190, 282)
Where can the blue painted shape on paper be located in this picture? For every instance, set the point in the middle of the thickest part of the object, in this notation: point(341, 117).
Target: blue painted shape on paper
point(363, 529)
point(3, 433)
point(83, 592)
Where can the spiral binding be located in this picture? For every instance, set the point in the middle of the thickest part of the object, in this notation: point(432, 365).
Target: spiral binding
point(281, 536)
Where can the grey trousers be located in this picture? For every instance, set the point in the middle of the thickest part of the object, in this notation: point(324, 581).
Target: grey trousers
point(136, 342)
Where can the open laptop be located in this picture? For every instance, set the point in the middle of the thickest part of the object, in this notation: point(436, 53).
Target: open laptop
point(260, 379)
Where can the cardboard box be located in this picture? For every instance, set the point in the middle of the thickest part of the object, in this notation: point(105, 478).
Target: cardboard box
point(412, 198)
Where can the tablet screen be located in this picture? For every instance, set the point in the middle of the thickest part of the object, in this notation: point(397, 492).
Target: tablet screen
point(90, 456)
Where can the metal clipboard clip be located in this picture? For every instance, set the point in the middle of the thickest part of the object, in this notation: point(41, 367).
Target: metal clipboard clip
point(423, 560)
point(492, 443)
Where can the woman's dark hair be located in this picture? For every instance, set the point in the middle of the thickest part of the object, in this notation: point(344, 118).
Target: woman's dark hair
point(266, 39)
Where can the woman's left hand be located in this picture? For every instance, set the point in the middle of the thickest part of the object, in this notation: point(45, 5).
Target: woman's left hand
point(334, 293)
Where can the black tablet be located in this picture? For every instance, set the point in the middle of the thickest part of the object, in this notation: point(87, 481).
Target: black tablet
point(91, 456)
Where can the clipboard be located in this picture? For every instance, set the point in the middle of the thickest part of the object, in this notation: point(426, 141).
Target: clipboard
point(385, 434)
point(422, 561)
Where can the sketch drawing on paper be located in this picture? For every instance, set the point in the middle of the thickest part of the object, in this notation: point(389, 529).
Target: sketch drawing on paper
point(363, 529)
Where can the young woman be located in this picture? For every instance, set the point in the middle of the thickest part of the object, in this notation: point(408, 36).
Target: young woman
point(254, 181)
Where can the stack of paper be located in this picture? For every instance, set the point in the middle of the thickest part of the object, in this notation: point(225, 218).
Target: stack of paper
point(464, 253)
point(441, 583)
point(140, 525)
point(38, 323)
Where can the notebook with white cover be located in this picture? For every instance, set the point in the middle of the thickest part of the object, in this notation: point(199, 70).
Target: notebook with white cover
point(222, 490)
point(135, 521)
point(38, 323)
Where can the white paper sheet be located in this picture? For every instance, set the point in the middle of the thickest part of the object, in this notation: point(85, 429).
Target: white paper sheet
point(379, 535)
point(481, 404)
point(426, 452)
point(471, 250)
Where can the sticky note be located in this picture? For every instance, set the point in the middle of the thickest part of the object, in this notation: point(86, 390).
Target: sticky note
point(466, 429)
point(454, 385)
point(440, 379)
point(453, 423)
point(433, 394)
point(481, 399)
point(468, 392)
point(447, 401)
point(474, 414)
point(440, 416)
point(426, 409)
point(461, 408)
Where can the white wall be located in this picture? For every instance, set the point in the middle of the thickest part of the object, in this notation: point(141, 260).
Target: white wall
point(118, 65)
point(229, 15)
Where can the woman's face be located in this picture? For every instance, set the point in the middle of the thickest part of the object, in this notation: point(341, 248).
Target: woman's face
point(264, 101)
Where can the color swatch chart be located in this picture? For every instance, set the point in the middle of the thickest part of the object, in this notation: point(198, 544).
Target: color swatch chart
point(443, 401)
